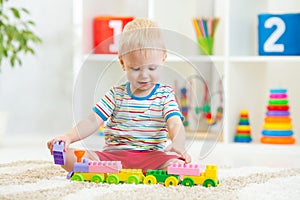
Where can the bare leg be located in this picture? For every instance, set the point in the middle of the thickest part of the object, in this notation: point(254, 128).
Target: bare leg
point(166, 164)
point(71, 158)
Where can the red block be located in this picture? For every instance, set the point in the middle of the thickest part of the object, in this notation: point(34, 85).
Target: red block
point(106, 28)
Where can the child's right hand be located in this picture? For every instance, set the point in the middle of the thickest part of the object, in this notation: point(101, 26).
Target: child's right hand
point(63, 138)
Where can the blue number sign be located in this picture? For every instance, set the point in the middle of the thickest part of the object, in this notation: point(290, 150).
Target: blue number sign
point(279, 34)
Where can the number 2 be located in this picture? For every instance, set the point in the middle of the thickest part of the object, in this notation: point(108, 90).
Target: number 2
point(269, 45)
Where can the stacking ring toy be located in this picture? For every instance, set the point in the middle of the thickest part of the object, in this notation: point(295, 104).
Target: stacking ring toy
point(243, 132)
point(245, 123)
point(278, 96)
point(277, 140)
point(277, 133)
point(278, 107)
point(278, 119)
point(278, 102)
point(243, 128)
point(241, 139)
point(278, 90)
point(278, 113)
point(269, 126)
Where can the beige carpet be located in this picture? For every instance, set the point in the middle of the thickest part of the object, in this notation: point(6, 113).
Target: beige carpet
point(44, 180)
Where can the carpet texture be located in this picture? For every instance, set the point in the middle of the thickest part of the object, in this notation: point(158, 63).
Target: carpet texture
point(44, 180)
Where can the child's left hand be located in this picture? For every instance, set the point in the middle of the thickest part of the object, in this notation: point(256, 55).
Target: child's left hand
point(187, 158)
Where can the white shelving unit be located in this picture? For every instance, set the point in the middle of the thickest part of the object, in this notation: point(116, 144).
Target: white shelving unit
point(247, 76)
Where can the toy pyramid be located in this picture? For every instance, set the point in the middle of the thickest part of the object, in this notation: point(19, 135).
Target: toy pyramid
point(243, 129)
point(277, 123)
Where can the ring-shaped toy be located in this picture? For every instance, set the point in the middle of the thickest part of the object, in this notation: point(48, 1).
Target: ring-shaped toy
point(243, 132)
point(278, 113)
point(278, 96)
point(278, 90)
point(243, 128)
point(278, 107)
point(277, 133)
point(278, 102)
point(244, 123)
point(274, 126)
point(277, 140)
point(237, 139)
point(278, 119)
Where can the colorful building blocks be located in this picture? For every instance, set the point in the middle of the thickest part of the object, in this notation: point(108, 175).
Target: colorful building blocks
point(131, 176)
point(208, 178)
point(112, 172)
point(59, 154)
point(161, 176)
point(105, 166)
point(184, 169)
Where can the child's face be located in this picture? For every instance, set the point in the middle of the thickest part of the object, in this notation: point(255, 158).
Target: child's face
point(143, 69)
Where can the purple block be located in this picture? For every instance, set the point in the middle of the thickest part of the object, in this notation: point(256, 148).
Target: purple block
point(59, 155)
point(81, 166)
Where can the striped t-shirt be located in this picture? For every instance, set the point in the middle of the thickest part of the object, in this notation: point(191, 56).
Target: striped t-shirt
point(137, 123)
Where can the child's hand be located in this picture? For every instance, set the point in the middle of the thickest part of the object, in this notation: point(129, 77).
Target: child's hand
point(64, 139)
point(187, 158)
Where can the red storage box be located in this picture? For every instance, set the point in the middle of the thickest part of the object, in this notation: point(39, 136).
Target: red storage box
point(106, 28)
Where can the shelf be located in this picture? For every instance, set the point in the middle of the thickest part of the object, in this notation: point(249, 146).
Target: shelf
point(101, 57)
point(196, 58)
point(236, 47)
point(264, 59)
point(170, 58)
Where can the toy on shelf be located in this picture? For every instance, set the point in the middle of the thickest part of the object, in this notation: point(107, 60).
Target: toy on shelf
point(112, 172)
point(198, 110)
point(277, 123)
point(59, 154)
point(183, 105)
point(243, 129)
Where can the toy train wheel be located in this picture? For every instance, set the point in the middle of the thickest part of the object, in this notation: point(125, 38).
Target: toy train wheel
point(171, 181)
point(150, 180)
point(97, 178)
point(133, 179)
point(209, 183)
point(77, 177)
point(112, 179)
point(188, 182)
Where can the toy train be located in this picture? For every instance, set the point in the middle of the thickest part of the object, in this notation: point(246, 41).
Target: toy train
point(112, 172)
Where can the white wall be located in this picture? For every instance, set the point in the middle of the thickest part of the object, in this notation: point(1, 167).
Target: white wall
point(37, 96)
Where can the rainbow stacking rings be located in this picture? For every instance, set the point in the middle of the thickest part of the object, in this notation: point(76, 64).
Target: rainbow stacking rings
point(243, 129)
point(277, 124)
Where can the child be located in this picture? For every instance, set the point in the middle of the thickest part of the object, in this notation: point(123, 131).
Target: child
point(140, 113)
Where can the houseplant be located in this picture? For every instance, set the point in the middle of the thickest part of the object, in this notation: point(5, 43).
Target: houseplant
point(16, 38)
point(16, 35)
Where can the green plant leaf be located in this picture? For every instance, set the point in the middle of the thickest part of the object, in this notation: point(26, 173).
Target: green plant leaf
point(13, 60)
point(30, 22)
point(25, 11)
point(15, 12)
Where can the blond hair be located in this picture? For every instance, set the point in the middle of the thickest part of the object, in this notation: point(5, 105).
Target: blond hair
point(139, 34)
